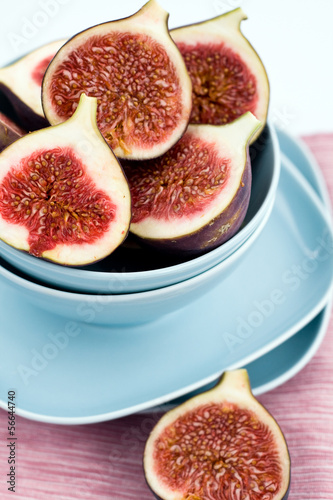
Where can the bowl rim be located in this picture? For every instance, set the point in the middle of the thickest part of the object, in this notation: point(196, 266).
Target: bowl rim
point(160, 273)
point(155, 294)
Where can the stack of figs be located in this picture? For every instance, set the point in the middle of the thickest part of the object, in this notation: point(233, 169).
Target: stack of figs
point(132, 128)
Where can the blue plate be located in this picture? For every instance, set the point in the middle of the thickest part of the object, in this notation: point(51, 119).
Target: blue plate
point(296, 150)
point(74, 373)
point(280, 364)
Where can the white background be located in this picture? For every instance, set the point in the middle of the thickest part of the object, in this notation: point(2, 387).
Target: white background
point(294, 39)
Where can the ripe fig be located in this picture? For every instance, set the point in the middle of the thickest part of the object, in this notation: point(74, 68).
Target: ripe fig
point(63, 194)
point(194, 197)
point(21, 83)
point(228, 77)
point(138, 75)
point(9, 131)
point(221, 444)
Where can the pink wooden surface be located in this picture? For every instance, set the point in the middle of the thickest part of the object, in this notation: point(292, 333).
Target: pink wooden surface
point(104, 461)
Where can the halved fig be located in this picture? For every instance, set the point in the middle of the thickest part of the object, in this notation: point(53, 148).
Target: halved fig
point(63, 194)
point(138, 75)
point(21, 83)
point(222, 444)
point(9, 131)
point(194, 197)
point(228, 77)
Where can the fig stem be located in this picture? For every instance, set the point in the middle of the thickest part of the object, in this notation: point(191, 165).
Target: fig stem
point(249, 123)
point(86, 111)
point(235, 381)
point(243, 128)
point(229, 21)
point(151, 12)
point(233, 18)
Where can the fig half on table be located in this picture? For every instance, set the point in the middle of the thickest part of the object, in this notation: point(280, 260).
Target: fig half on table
point(222, 444)
point(63, 193)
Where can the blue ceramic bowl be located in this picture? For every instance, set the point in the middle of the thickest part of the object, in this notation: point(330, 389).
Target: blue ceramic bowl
point(133, 269)
point(124, 309)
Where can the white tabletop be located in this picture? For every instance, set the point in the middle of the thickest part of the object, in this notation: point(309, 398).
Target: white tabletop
point(293, 38)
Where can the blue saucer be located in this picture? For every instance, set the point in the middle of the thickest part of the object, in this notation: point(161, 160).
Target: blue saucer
point(74, 373)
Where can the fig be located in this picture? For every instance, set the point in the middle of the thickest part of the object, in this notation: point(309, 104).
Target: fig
point(138, 75)
point(9, 131)
point(195, 196)
point(228, 77)
point(63, 194)
point(222, 444)
point(21, 83)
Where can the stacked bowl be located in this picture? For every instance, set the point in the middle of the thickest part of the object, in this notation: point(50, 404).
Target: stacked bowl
point(136, 285)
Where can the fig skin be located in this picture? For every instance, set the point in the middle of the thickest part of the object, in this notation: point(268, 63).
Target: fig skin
point(9, 131)
point(233, 390)
point(28, 118)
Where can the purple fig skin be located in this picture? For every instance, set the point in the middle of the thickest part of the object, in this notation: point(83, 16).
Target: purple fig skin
point(29, 120)
point(217, 231)
point(9, 132)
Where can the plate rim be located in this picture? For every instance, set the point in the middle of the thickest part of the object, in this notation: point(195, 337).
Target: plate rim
point(287, 374)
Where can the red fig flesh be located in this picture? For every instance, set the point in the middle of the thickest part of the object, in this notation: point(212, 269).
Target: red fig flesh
point(194, 197)
point(228, 77)
point(138, 75)
point(63, 194)
point(221, 444)
point(21, 83)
